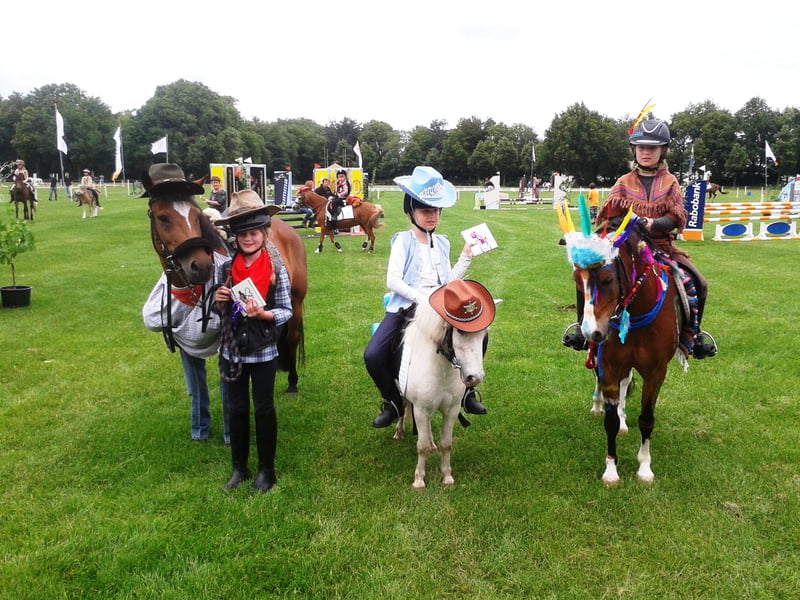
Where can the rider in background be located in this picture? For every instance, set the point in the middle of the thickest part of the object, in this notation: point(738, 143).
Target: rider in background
point(21, 170)
point(419, 264)
point(656, 198)
point(340, 195)
point(87, 182)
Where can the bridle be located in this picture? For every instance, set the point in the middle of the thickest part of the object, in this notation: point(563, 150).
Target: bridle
point(173, 269)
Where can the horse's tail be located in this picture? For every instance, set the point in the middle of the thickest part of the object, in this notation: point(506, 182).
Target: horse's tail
point(284, 356)
point(375, 221)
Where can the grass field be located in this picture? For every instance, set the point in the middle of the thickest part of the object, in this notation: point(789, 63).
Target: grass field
point(105, 496)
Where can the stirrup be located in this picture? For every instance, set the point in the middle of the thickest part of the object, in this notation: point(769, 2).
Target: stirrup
point(471, 402)
point(705, 346)
point(573, 338)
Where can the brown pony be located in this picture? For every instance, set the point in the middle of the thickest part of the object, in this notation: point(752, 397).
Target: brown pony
point(85, 198)
point(712, 189)
point(632, 320)
point(365, 215)
point(184, 238)
point(22, 194)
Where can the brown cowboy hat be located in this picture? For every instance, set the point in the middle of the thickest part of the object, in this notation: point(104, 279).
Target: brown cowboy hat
point(465, 304)
point(166, 178)
point(247, 211)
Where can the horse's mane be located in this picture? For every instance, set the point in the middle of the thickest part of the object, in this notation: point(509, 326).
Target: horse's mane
point(426, 326)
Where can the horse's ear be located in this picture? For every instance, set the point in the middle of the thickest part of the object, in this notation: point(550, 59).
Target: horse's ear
point(200, 181)
point(273, 210)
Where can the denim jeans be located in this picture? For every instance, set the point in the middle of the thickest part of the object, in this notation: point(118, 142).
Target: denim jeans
point(194, 372)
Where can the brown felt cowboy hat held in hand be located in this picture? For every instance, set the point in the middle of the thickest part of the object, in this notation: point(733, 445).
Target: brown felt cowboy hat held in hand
point(168, 178)
point(465, 304)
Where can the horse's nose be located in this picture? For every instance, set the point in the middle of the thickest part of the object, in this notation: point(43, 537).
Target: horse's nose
point(473, 380)
point(597, 336)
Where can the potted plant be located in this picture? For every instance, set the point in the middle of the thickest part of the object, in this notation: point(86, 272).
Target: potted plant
point(15, 238)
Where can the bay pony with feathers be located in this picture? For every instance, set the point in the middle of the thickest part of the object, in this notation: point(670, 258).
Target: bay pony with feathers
point(442, 355)
point(632, 320)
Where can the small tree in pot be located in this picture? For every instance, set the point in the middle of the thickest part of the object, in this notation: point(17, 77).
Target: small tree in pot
point(15, 238)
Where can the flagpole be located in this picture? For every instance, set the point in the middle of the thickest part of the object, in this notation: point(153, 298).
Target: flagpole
point(60, 154)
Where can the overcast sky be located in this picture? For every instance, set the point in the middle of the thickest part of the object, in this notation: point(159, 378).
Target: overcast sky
point(412, 62)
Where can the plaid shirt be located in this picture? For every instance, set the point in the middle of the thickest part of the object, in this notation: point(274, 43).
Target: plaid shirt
point(282, 310)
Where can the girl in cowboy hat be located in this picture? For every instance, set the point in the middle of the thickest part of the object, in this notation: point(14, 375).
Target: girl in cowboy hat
point(419, 263)
point(249, 220)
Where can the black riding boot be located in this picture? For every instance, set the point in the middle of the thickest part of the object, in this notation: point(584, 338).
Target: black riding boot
point(240, 449)
point(573, 336)
point(392, 410)
point(471, 403)
point(266, 440)
point(705, 346)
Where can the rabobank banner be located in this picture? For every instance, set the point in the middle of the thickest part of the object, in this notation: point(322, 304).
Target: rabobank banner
point(695, 202)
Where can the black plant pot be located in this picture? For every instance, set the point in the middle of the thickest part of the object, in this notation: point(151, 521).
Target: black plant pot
point(16, 296)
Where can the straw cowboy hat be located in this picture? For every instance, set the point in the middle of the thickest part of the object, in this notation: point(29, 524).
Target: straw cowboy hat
point(465, 304)
point(166, 178)
point(247, 211)
point(428, 186)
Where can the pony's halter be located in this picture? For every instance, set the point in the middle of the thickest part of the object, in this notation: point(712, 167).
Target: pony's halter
point(446, 348)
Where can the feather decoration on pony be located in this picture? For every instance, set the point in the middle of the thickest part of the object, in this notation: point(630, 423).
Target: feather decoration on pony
point(648, 106)
point(586, 220)
point(584, 251)
point(625, 228)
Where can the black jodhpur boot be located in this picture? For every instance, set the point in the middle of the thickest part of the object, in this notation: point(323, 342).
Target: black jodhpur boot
point(266, 441)
point(471, 404)
point(392, 410)
point(240, 449)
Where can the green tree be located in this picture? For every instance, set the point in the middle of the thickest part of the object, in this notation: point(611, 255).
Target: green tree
point(88, 131)
point(201, 127)
point(737, 162)
point(587, 145)
point(380, 148)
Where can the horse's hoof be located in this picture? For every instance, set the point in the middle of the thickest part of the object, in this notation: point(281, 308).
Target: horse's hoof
point(316, 251)
point(292, 389)
point(339, 250)
point(418, 485)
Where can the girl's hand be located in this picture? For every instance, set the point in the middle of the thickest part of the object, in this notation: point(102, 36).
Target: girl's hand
point(223, 294)
point(255, 311)
point(467, 251)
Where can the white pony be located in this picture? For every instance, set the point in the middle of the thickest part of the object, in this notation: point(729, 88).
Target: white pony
point(442, 355)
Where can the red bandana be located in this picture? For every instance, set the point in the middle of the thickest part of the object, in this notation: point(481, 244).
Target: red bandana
point(188, 296)
point(260, 271)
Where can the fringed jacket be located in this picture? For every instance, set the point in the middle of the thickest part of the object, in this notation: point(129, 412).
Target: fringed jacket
point(664, 200)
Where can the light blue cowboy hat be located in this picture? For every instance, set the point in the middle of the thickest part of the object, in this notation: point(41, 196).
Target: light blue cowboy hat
point(428, 186)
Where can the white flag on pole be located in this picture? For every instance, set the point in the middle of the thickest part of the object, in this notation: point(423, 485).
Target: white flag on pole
point(768, 152)
point(357, 150)
point(118, 157)
point(159, 145)
point(60, 143)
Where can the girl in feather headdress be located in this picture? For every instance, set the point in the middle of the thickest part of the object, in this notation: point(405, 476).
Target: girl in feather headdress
point(656, 198)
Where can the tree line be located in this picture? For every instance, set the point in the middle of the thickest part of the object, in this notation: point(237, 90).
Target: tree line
point(205, 127)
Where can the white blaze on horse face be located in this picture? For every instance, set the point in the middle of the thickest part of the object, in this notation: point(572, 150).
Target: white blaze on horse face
point(184, 209)
point(589, 322)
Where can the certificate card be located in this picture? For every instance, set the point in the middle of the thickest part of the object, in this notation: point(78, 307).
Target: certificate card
point(479, 238)
point(244, 290)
